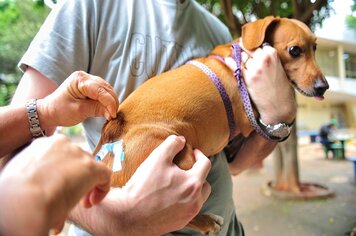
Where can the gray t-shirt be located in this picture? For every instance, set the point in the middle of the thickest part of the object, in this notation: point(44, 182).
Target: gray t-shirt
point(126, 42)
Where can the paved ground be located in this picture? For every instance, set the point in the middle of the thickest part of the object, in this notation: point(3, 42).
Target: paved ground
point(266, 215)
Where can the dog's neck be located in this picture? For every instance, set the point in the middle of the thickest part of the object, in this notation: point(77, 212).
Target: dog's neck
point(235, 63)
point(230, 62)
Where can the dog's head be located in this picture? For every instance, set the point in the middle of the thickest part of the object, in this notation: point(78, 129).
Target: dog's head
point(296, 46)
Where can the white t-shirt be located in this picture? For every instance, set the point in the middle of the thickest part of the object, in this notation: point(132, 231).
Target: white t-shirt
point(126, 42)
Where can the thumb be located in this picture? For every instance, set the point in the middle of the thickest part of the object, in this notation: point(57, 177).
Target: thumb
point(95, 108)
point(169, 148)
point(57, 228)
point(95, 195)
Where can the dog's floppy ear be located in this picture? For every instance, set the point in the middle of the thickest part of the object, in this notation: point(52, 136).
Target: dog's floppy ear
point(253, 33)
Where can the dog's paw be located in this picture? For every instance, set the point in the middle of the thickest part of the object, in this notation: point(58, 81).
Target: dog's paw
point(216, 223)
point(207, 223)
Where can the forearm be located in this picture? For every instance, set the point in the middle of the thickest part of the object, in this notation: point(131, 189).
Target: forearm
point(14, 125)
point(255, 148)
point(14, 220)
point(15, 128)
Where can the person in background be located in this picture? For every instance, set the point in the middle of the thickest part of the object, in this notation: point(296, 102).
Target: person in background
point(326, 137)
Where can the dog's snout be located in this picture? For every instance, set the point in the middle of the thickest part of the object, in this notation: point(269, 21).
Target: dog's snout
point(320, 86)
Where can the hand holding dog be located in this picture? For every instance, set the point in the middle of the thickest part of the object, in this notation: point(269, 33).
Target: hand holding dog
point(272, 93)
point(154, 202)
point(80, 96)
point(44, 183)
point(269, 86)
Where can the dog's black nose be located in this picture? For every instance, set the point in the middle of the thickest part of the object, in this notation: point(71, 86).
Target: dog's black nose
point(320, 86)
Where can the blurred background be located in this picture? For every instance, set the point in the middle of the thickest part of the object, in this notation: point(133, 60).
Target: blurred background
point(304, 187)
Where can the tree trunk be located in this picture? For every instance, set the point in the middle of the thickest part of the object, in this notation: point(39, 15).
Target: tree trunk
point(286, 165)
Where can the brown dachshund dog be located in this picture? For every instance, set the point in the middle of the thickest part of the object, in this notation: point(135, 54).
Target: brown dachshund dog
point(184, 101)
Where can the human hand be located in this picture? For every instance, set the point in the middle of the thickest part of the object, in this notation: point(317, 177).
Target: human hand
point(80, 96)
point(268, 86)
point(165, 195)
point(159, 198)
point(44, 182)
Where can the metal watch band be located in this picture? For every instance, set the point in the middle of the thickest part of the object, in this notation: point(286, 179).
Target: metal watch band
point(35, 128)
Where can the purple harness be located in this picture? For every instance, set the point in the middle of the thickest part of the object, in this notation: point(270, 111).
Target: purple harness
point(223, 94)
point(236, 56)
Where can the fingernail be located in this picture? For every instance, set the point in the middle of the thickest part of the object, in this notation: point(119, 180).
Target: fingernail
point(107, 116)
point(53, 232)
point(182, 138)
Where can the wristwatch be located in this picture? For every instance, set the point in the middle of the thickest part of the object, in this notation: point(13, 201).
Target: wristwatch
point(277, 132)
point(35, 128)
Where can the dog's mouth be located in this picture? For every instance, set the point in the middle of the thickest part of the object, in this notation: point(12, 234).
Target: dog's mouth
point(317, 94)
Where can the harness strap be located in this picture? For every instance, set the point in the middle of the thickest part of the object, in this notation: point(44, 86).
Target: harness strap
point(245, 97)
point(223, 94)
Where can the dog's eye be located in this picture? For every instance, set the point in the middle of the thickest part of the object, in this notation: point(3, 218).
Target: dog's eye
point(295, 51)
point(314, 47)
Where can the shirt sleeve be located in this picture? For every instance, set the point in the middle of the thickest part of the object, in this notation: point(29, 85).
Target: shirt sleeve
point(65, 42)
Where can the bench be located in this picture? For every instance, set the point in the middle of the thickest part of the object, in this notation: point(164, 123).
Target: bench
point(337, 150)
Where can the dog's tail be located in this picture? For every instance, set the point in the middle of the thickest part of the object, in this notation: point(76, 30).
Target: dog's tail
point(111, 129)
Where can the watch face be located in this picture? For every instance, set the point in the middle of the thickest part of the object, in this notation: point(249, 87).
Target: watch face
point(280, 130)
point(277, 132)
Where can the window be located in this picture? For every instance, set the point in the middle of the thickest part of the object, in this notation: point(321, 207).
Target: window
point(350, 65)
point(327, 60)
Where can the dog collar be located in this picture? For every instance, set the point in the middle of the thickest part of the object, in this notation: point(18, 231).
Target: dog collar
point(223, 94)
point(117, 149)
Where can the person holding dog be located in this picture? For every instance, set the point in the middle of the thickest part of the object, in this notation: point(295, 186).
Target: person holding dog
point(41, 184)
point(32, 196)
point(126, 43)
point(44, 182)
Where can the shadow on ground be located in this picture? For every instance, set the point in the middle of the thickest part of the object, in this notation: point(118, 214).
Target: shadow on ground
point(267, 215)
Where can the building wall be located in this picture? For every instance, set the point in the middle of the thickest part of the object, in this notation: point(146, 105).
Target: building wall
point(311, 115)
point(351, 114)
point(337, 60)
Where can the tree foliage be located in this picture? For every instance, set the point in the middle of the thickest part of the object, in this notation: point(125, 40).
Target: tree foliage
point(351, 19)
point(235, 13)
point(19, 22)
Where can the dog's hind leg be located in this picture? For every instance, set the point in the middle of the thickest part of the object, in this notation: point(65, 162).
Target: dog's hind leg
point(206, 223)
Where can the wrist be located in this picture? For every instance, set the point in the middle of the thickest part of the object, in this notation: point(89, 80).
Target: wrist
point(124, 205)
point(46, 119)
point(106, 218)
point(33, 119)
point(281, 114)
